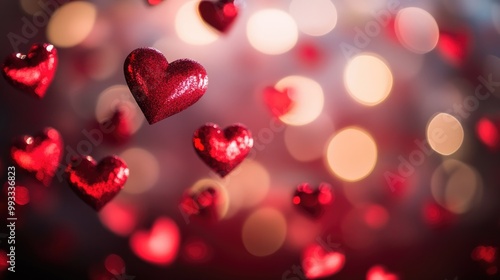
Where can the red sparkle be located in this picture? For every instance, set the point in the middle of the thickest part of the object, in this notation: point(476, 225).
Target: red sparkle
point(488, 133)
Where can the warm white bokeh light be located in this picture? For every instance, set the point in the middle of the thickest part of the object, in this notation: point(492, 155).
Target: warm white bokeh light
point(445, 134)
point(456, 186)
point(417, 30)
point(144, 170)
point(306, 143)
point(351, 154)
point(190, 28)
point(264, 232)
point(119, 96)
point(71, 23)
point(31, 7)
point(308, 99)
point(272, 31)
point(315, 18)
point(368, 79)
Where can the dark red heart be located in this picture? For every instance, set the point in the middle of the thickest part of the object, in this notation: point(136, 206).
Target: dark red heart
point(279, 102)
point(121, 127)
point(160, 89)
point(220, 14)
point(202, 203)
point(39, 154)
point(97, 184)
point(222, 150)
point(32, 72)
point(313, 201)
point(319, 263)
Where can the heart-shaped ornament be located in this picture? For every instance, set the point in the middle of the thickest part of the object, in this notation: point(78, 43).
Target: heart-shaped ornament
point(379, 273)
point(313, 201)
point(32, 72)
point(162, 89)
point(120, 126)
point(96, 184)
point(278, 101)
point(318, 262)
point(39, 154)
point(203, 203)
point(219, 14)
point(222, 150)
point(158, 246)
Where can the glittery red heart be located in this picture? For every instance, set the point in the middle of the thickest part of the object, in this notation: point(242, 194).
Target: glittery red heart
point(97, 184)
point(222, 150)
point(318, 262)
point(39, 154)
point(220, 15)
point(278, 101)
point(202, 204)
point(313, 201)
point(162, 89)
point(32, 72)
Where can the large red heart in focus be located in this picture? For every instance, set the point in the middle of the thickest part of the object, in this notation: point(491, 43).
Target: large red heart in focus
point(220, 14)
point(97, 184)
point(279, 102)
point(313, 201)
point(379, 273)
point(160, 245)
point(162, 89)
point(222, 150)
point(39, 154)
point(32, 72)
point(318, 262)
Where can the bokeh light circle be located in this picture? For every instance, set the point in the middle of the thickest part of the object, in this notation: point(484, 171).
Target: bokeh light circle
point(315, 18)
point(264, 232)
point(190, 28)
point(145, 170)
point(445, 134)
point(417, 30)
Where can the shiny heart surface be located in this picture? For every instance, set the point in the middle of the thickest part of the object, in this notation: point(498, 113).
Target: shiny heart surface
point(313, 201)
point(222, 150)
point(96, 184)
point(39, 154)
point(318, 262)
point(32, 72)
point(162, 89)
point(220, 14)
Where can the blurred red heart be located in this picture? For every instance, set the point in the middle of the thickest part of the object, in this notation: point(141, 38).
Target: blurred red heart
point(32, 72)
point(379, 273)
point(222, 150)
point(313, 201)
point(220, 14)
point(39, 154)
point(120, 124)
point(279, 102)
point(202, 203)
point(97, 184)
point(488, 131)
point(162, 89)
point(454, 45)
point(318, 262)
point(160, 245)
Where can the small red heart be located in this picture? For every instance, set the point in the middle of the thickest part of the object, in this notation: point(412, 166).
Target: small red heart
point(162, 89)
point(220, 15)
point(318, 262)
point(159, 246)
point(121, 127)
point(222, 150)
point(32, 72)
point(313, 201)
point(97, 184)
point(39, 154)
point(202, 203)
point(279, 102)
point(379, 273)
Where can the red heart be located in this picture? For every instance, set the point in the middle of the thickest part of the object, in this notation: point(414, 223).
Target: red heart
point(279, 102)
point(39, 154)
point(121, 127)
point(202, 203)
point(160, 89)
point(220, 15)
point(222, 150)
point(379, 273)
point(312, 201)
point(160, 245)
point(97, 184)
point(318, 262)
point(32, 72)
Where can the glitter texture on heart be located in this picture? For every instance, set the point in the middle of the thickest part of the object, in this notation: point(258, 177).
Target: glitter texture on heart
point(32, 72)
point(162, 89)
point(313, 201)
point(96, 184)
point(220, 14)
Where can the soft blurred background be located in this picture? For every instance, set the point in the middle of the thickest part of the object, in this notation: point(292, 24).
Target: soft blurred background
point(372, 83)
